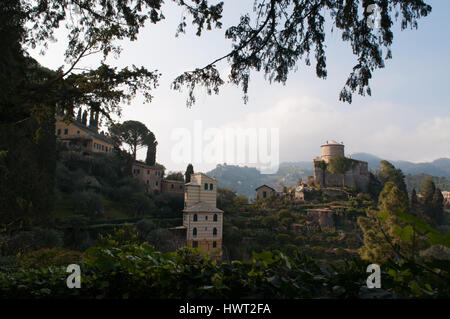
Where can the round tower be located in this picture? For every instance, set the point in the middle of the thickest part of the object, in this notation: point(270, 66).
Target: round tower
point(330, 149)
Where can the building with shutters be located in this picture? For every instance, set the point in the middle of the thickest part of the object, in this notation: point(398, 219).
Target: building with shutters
point(202, 220)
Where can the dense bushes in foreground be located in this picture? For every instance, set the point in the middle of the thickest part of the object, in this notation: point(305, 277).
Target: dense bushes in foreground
point(139, 271)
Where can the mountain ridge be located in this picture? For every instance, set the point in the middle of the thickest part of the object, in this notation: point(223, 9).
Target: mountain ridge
point(244, 179)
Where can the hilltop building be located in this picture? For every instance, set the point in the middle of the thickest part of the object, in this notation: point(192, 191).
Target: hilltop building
point(356, 176)
point(202, 220)
point(264, 191)
point(86, 137)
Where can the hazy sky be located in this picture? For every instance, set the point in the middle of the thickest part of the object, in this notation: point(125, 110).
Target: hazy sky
point(406, 118)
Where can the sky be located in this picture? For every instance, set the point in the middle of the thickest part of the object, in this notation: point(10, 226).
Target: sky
point(406, 118)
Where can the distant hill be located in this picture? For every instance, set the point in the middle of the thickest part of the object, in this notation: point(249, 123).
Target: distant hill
point(244, 179)
point(439, 167)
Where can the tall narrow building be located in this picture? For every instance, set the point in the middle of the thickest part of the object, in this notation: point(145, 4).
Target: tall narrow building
point(202, 219)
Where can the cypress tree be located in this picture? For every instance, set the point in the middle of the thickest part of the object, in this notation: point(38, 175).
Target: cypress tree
point(437, 205)
point(413, 202)
point(84, 118)
point(187, 174)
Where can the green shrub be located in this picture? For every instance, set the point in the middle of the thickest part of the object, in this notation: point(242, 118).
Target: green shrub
point(139, 271)
point(282, 239)
point(49, 257)
point(26, 241)
point(88, 203)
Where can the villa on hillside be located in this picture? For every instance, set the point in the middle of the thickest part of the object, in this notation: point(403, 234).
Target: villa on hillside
point(86, 137)
point(150, 175)
point(153, 177)
point(172, 186)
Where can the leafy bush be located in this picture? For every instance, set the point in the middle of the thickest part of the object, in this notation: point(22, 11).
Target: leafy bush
point(139, 271)
point(26, 241)
point(88, 203)
point(144, 226)
point(282, 239)
point(50, 257)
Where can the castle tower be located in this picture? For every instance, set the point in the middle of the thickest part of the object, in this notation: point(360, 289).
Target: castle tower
point(202, 219)
point(330, 149)
point(356, 176)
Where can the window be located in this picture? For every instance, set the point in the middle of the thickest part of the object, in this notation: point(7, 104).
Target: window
point(210, 187)
point(59, 131)
point(214, 244)
point(215, 231)
point(148, 172)
point(194, 232)
point(206, 186)
point(78, 132)
point(195, 217)
point(156, 173)
point(172, 186)
point(148, 182)
point(106, 148)
point(195, 244)
point(181, 186)
point(66, 131)
point(215, 217)
point(206, 217)
point(264, 194)
point(156, 183)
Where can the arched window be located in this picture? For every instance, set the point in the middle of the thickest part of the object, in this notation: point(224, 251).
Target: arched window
point(215, 231)
point(194, 232)
point(195, 217)
point(214, 244)
point(215, 217)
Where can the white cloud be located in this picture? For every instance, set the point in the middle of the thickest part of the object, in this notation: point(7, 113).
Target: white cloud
point(383, 129)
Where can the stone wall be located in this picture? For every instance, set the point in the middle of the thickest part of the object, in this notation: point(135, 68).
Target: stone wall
point(357, 176)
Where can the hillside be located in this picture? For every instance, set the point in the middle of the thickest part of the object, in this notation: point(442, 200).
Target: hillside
point(439, 167)
point(244, 179)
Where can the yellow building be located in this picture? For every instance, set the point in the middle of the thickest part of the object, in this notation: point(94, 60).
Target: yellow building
point(201, 218)
point(76, 134)
point(150, 175)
